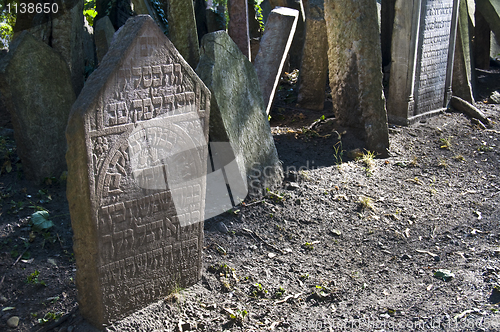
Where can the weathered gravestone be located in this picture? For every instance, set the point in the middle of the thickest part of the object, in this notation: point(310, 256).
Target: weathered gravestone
point(295, 52)
point(274, 46)
point(463, 81)
point(314, 67)
point(238, 25)
point(240, 136)
point(136, 174)
point(490, 9)
point(355, 60)
point(103, 36)
point(182, 30)
point(61, 29)
point(481, 41)
point(422, 59)
point(35, 85)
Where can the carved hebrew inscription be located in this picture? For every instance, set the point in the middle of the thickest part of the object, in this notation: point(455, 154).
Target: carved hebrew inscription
point(147, 138)
point(435, 39)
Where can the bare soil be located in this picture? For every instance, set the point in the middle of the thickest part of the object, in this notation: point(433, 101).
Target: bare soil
point(345, 244)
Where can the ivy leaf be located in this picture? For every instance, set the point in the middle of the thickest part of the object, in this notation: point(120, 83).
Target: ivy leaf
point(40, 221)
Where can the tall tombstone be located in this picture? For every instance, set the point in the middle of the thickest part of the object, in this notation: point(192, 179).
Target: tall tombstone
point(137, 158)
point(355, 60)
point(182, 30)
point(464, 80)
point(314, 67)
point(482, 45)
point(295, 53)
point(35, 85)
point(238, 25)
point(490, 10)
point(386, 27)
point(274, 46)
point(62, 30)
point(422, 59)
point(495, 47)
point(241, 143)
point(103, 36)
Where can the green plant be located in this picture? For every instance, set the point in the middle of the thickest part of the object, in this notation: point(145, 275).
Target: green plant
point(459, 157)
point(8, 15)
point(365, 202)
point(33, 279)
point(446, 142)
point(238, 316)
point(279, 292)
point(442, 163)
point(308, 246)
point(89, 11)
point(338, 152)
point(484, 148)
point(258, 290)
point(49, 316)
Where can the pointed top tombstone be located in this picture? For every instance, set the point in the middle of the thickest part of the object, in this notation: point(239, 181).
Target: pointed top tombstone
point(136, 165)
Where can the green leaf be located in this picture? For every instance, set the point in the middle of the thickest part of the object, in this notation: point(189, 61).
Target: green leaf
point(40, 221)
point(444, 274)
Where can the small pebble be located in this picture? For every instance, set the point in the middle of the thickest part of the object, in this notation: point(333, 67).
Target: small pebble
point(406, 256)
point(13, 322)
point(3, 299)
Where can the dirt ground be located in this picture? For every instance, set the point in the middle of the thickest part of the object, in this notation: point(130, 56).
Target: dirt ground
point(348, 243)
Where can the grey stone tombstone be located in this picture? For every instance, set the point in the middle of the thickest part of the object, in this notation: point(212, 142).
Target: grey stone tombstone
point(314, 67)
point(35, 85)
point(490, 9)
point(137, 158)
point(482, 33)
point(274, 46)
point(495, 47)
point(89, 54)
point(241, 143)
point(355, 60)
point(103, 36)
point(182, 30)
point(464, 78)
point(295, 52)
point(422, 59)
point(62, 30)
point(238, 25)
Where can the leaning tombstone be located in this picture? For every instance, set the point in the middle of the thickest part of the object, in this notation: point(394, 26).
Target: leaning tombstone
point(241, 143)
point(422, 59)
point(39, 103)
point(463, 80)
point(103, 36)
point(137, 158)
point(355, 61)
point(274, 46)
point(314, 68)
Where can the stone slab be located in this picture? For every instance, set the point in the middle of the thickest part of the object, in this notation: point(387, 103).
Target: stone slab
point(422, 59)
point(274, 46)
point(39, 103)
point(240, 136)
point(314, 67)
point(295, 52)
point(464, 78)
point(482, 37)
point(103, 36)
point(137, 158)
point(182, 30)
point(238, 28)
point(355, 68)
point(63, 32)
point(490, 9)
